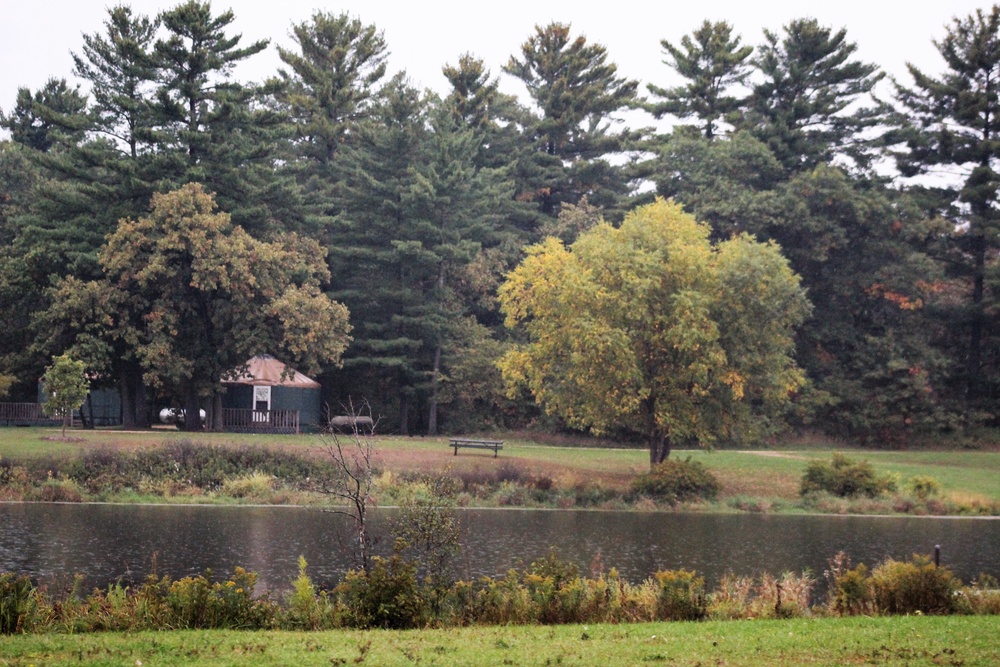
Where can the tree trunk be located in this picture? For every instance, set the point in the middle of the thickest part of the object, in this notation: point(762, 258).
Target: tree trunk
point(659, 449)
point(192, 411)
point(88, 406)
point(140, 402)
point(128, 406)
point(404, 415)
point(432, 417)
point(659, 443)
point(215, 414)
point(974, 358)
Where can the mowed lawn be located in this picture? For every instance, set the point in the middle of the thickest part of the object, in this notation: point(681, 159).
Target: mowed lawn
point(970, 641)
point(753, 473)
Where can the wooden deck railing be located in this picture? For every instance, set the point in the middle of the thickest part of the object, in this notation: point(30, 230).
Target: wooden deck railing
point(24, 413)
point(260, 421)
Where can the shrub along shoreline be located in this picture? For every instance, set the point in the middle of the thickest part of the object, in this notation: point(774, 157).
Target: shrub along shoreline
point(186, 472)
point(393, 594)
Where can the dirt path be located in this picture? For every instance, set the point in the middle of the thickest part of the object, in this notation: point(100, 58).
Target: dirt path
point(774, 454)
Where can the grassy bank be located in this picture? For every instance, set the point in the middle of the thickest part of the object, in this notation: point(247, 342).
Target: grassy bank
point(531, 473)
point(913, 641)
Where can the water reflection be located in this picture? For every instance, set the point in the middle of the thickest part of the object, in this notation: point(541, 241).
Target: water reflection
point(110, 542)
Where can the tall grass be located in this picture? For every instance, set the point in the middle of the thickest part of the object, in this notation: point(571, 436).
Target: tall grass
point(550, 591)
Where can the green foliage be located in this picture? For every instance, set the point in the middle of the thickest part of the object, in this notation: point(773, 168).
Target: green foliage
point(197, 602)
point(387, 596)
point(893, 587)
point(924, 487)
point(6, 382)
point(676, 481)
point(813, 101)
point(917, 586)
point(846, 478)
point(849, 592)
point(305, 609)
point(332, 81)
point(183, 463)
point(17, 598)
point(66, 387)
point(429, 529)
point(713, 62)
point(681, 596)
point(638, 327)
point(550, 591)
point(208, 296)
point(48, 117)
point(577, 90)
point(950, 122)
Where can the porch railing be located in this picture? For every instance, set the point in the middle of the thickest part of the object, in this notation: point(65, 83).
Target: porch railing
point(260, 421)
point(24, 413)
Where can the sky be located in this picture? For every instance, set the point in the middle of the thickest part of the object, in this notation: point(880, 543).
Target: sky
point(36, 38)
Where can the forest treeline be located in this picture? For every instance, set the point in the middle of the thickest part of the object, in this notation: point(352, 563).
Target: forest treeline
point(409, 208)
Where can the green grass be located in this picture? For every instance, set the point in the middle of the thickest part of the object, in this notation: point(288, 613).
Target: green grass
point(771, 476)
point(913, 641)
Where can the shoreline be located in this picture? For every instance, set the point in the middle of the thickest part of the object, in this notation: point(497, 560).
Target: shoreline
point(478, 508)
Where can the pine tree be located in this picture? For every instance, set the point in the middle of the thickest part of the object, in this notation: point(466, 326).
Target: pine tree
point(814, 102)
point(332, 81)
point(375, 260)
point(118, 66)
point(51, 115)
point(578, 92)
point(217, 131)
point(713, 62)
point(330, 87)
point(953, 124)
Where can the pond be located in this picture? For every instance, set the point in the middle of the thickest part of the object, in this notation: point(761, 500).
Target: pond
point(105, 543)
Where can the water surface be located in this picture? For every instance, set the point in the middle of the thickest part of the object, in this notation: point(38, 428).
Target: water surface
point(105, 543)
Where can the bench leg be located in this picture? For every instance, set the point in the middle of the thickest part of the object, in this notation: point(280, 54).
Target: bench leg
point(456, 450)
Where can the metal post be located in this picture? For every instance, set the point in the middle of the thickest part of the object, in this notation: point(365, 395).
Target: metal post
point(937, 555)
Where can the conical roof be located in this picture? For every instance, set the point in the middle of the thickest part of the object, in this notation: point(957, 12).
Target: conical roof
point(266, 371)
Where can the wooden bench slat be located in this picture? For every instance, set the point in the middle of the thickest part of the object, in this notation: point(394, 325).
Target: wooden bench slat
point(495, 445)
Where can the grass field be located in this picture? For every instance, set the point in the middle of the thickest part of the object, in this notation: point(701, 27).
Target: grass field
point(765, 480)
point(894, 641)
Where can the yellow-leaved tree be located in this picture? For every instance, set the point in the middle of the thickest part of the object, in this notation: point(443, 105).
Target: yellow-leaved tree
point(651, 327)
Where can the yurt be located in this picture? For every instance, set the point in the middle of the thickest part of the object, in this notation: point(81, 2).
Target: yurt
point(264, 397)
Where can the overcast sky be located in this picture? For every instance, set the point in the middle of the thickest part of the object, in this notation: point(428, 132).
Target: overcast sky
point(36, 37)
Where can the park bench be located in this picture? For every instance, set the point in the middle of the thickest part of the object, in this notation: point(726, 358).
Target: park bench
point(495, 445)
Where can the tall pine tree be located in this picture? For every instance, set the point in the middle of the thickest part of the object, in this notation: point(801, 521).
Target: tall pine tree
point(578, 93)
point(713, 63)
point(814, 100)
point(952, 124)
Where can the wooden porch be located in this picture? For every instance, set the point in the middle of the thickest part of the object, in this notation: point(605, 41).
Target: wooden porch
point(25, 414)
point(260, 421)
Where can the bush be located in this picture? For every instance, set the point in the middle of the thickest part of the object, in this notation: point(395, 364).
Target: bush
point(197, 603)
point(305, 609)
point(681, 596)
point(677, 481)
point(911, 587)
point(255, 486)
point(845, 478)
point(924, 487)
point(16, 601)
point(387, 596)
point(982, 597)
point(851, 594)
